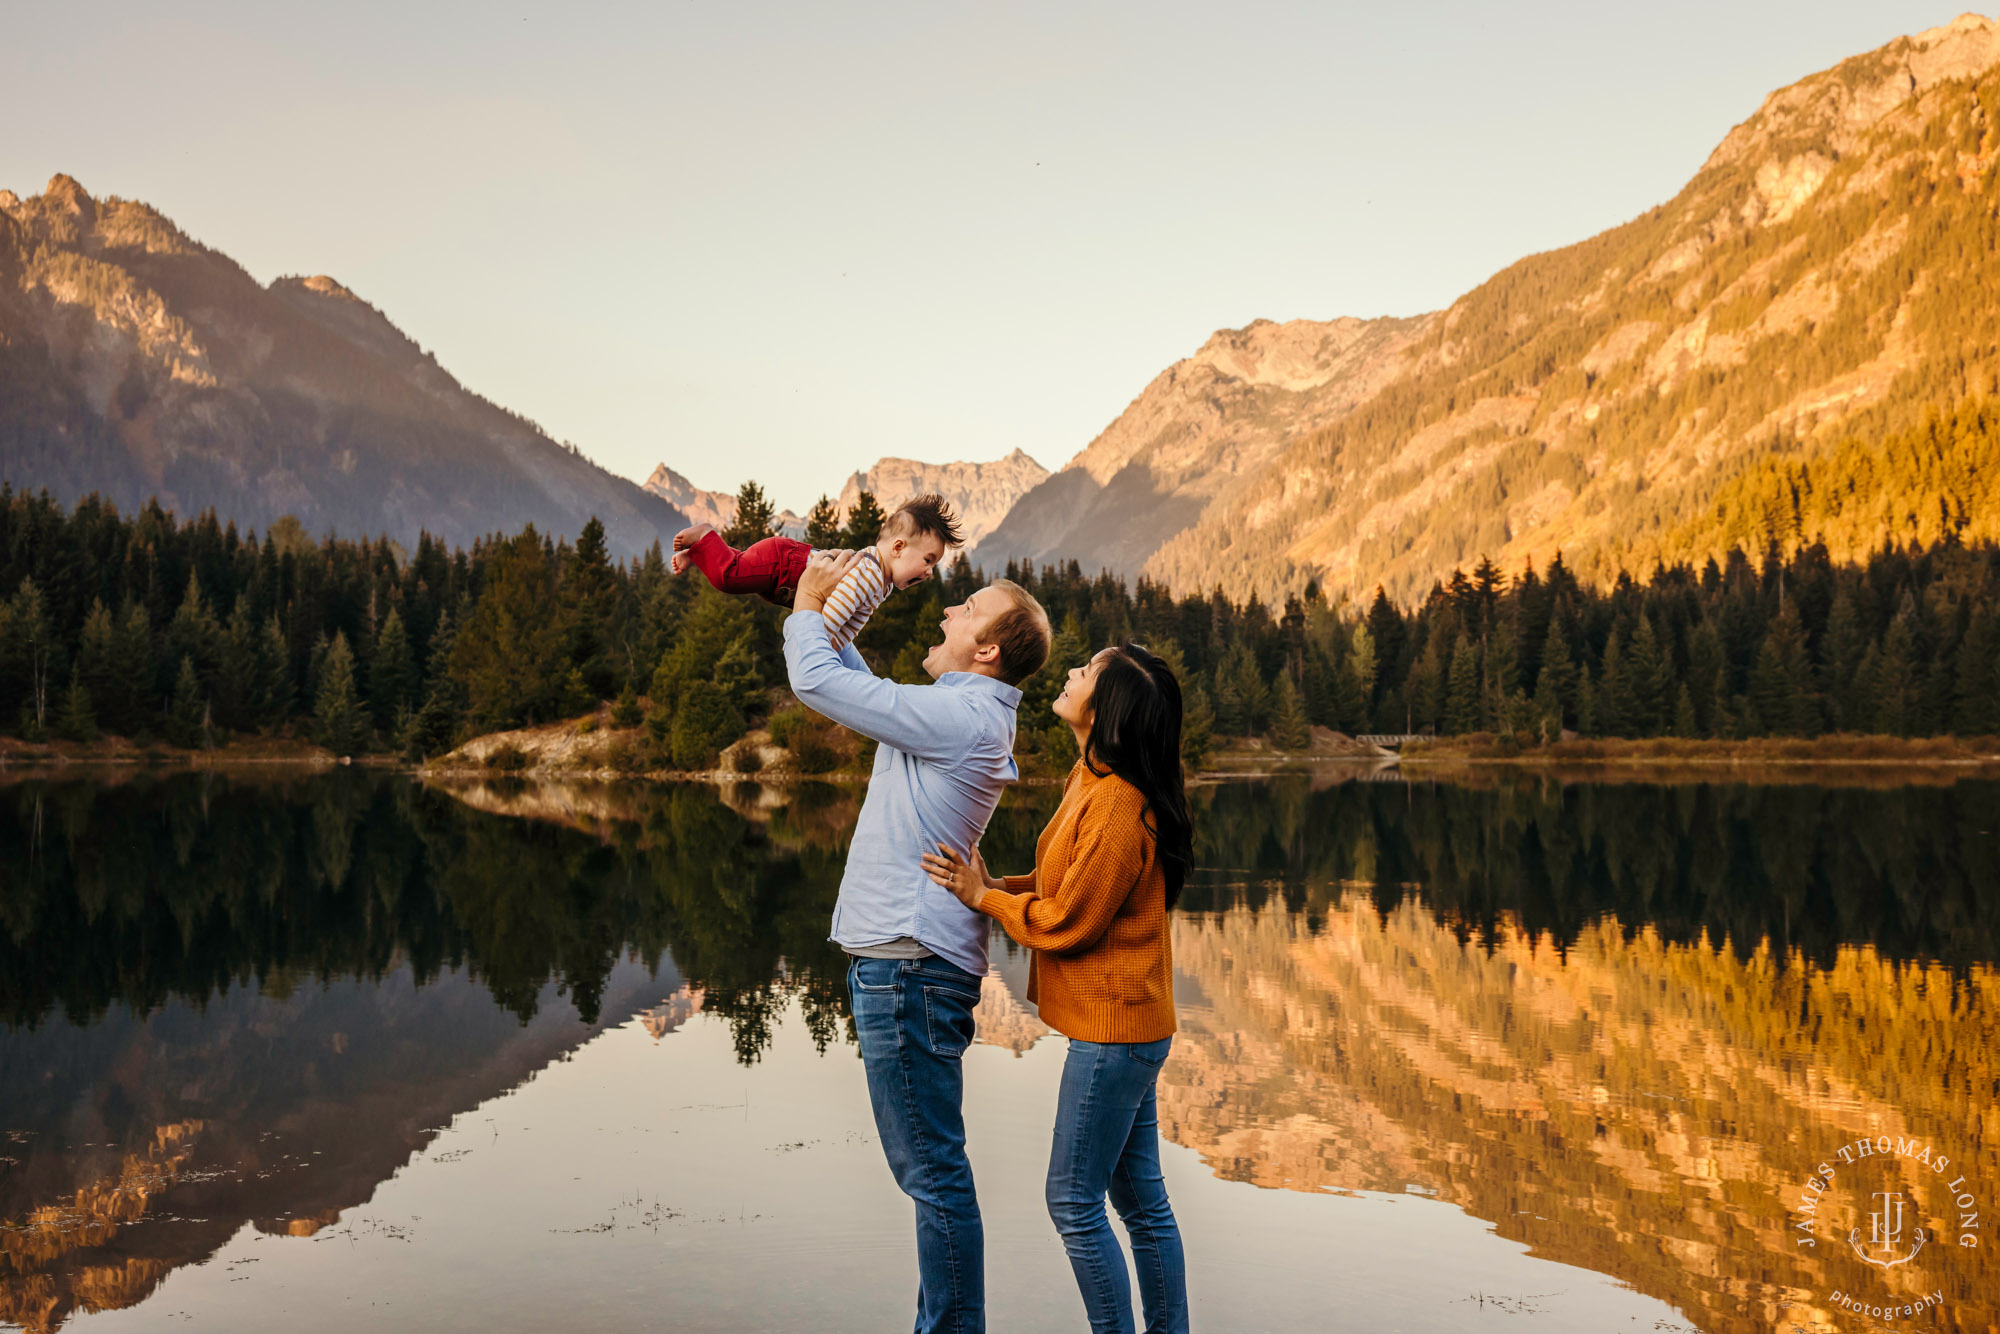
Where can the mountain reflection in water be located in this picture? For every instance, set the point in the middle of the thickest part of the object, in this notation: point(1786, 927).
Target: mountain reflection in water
point(1622, 1022)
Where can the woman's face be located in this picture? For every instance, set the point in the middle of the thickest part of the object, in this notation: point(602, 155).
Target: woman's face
point(1073, 705)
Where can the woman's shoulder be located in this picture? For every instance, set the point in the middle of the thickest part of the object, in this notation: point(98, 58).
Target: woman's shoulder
point(1108, 791)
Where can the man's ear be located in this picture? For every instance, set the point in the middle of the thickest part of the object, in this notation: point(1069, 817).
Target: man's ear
point(986, 653)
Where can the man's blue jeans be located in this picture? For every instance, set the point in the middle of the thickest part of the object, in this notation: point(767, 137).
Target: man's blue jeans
point(914, 1019)
point(1108, 1141)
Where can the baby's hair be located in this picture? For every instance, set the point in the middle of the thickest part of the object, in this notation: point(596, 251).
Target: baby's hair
point(928, 513)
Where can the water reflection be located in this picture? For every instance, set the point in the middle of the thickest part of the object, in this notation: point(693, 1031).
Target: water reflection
point(1622, 1022)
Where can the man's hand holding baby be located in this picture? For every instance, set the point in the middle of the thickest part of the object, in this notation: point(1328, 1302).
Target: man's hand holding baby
point(822, 575)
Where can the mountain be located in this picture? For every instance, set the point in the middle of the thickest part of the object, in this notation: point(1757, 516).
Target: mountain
point(135, 362)
point(982, 493)
point(711, 507)
point(1202, 429)
point(1720, 370)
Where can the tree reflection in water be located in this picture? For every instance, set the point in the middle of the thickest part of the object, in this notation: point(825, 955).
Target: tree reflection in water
point(1473, 988)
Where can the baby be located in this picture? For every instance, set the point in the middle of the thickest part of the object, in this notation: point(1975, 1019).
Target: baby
point(914, 539)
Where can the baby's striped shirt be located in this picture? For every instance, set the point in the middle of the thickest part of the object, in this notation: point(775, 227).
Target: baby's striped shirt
point(855, 598)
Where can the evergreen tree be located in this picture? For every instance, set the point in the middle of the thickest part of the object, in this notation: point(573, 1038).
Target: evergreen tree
point(864, 522)
point(137, 671)
point(1685, 725)
point(1705, 678)
point(97, 664)
point(186, 710)
point(1650, 681)
point(238, 674)
point(1977, 664)
point(276, 690)
point(705, 721)
point(77, 721)
point(1289, 728)
point(756, 517)
point(590, 609)
point(510, 656)
point(1615, 704)
point(338, 716)
point(1781, 682)
point(823, 524)
point(1197, 727)
point(1841, 650)
point(27, 656)
point(392, 677)
point(1461, 710)
point(1555, 683)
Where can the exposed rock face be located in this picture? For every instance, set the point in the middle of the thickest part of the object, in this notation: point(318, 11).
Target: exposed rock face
point(1829, 271)
point(710, 507)
point(137, 362)
point(982, 493)
point(1202, 429)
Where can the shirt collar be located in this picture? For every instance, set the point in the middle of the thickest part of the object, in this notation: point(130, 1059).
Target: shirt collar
point(1000, 690)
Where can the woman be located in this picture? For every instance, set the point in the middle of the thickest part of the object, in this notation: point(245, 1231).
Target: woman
point(1094, 911)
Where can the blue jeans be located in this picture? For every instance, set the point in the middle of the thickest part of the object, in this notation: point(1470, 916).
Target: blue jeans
point(1108, 1141)
point(914, 1019)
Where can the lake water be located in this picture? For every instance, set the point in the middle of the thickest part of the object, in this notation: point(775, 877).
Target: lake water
point(1513, 1055)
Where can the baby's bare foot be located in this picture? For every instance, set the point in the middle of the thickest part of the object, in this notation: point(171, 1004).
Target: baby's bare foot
point(687, 537)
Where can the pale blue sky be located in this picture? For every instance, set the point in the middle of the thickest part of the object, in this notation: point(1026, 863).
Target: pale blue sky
point(780, 241)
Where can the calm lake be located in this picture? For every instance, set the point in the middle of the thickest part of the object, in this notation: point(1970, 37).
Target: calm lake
point(301, 1053)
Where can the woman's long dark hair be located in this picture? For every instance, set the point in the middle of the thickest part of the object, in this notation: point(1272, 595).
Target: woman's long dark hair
point(1136, 733)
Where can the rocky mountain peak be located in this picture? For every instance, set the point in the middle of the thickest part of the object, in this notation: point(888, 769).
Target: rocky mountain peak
point(64, 192)
point(1831, 112)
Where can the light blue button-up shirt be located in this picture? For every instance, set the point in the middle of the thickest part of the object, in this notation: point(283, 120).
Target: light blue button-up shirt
point(946, 755)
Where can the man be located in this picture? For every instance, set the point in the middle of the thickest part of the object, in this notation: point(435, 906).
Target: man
point(946, 754)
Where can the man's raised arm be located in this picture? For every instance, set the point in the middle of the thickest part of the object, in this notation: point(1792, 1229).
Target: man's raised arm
point(918, 720)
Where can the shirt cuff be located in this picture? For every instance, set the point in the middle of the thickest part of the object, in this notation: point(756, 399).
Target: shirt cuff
point(1018, 884)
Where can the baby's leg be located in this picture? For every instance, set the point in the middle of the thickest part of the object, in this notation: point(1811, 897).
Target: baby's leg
point(683, 541)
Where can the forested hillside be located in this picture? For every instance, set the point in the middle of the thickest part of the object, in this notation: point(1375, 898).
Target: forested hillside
point(1828, 278)
point(152, 628)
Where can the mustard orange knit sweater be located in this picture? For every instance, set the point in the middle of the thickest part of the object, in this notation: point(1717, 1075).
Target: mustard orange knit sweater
point(1094, 911)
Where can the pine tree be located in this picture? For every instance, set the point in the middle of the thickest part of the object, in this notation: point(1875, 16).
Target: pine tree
point(590, 609)
point(77, 721)
point(1555, 683)
point(756, 517)
point(1781, 681)
point(97, 664)
point(1705, 680)
point(705, 722)
point(27, 653)
point(823, 524)
point(137, 671)
point(392, 677)
point(1197, 728)
point(1651, 681)
point(186, 709)
point(1615, 703)
point(276, 690)
point(1685, 725)
point(1977, 711)
point(1289, 728)
point(337, 714)
point(237, 672)
point(1841, 650)
point(864, 522)
point(1461, 710)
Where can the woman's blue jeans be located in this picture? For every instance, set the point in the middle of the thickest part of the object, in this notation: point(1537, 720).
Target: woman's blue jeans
point(1108, 1142)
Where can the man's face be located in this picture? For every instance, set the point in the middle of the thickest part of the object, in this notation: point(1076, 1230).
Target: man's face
point(964, 626)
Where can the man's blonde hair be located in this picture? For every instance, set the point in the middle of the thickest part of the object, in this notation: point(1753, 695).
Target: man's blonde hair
point(1022, 632)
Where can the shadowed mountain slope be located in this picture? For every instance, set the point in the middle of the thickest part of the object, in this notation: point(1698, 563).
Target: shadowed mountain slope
point(135, 361)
